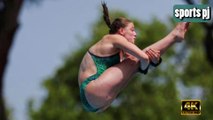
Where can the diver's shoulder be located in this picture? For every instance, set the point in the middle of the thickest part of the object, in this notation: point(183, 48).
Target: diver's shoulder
point(112, 37)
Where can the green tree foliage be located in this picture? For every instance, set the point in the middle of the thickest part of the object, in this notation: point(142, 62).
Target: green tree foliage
point(149, 97)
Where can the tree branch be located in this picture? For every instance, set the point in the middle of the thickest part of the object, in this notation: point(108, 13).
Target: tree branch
point(8, 25)
point(190, 2)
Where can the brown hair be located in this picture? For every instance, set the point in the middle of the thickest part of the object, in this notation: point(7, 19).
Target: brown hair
point(118, 23)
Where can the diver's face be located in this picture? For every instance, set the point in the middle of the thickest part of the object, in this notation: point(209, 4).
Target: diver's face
point(129, 32)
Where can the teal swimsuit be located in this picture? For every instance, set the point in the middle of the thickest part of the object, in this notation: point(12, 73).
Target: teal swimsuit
point(102, 63)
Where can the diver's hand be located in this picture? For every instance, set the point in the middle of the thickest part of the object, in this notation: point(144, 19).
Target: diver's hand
point(154, 55)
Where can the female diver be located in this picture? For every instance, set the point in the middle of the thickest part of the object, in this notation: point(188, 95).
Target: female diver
point(109, 64)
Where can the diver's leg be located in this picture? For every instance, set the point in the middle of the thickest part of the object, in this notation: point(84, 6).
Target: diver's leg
point(102, 91)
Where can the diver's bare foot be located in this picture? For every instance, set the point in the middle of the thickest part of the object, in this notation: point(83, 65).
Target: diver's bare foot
point(180, 31)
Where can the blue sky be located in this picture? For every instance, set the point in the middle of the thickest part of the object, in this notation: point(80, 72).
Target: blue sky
point(48, 33)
